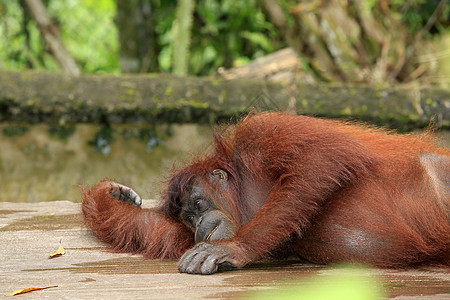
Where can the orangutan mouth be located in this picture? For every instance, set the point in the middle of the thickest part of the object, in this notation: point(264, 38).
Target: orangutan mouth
point(210, 234)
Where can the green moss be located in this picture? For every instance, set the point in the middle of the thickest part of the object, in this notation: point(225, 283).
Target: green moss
point(304, 103)
point(78, 103)
point(346, 111)
point(61, 132)
point(158, 98)
point(14, 130)
point(407, 118)
point(198, 104)
point(33, 101)
point(155, 99)
point(382, 116)
point(222, 96)
point(26, 76)
point(432, 103)
point(317, 105)
point(215, 82)
point(363, 108)
point(379, 94)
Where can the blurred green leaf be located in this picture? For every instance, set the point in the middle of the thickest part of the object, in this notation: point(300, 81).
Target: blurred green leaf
point(349, 284)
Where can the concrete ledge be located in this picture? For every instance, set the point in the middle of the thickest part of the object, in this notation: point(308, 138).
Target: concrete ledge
point(58, 98)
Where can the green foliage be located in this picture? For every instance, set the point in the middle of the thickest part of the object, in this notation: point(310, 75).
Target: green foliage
point(86, 28)
point(224, 34)
point(14, 53)
point(88, 32)
point(350, 284)
point(416, 13)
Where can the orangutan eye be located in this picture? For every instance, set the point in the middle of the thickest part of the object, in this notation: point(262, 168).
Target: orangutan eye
point(190, 219)
point(198, 204)
point(221, 174)
point(201, 205)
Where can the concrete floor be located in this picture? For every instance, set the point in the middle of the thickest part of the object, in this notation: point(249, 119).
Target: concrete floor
point(31, 231)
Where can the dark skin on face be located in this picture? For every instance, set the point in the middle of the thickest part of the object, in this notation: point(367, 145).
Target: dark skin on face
point(203, 217)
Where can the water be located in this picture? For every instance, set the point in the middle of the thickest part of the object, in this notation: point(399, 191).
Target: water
point(45, 163)
point(41, 162)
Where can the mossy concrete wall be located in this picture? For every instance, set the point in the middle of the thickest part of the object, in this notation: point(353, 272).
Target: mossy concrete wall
point(49, 97)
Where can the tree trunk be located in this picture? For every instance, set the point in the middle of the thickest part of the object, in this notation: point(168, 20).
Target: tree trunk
point(182, 31)
point(352, 41)
point(137, 39)
point(51, 36)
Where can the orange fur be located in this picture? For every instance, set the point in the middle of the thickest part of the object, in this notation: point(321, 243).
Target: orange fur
point(329, 190)
point(130, 229)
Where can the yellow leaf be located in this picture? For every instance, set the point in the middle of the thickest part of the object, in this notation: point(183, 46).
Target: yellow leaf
point(58, 252)
point(27, 290)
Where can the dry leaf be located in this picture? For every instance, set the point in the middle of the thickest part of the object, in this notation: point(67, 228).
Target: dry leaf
point(27, 290)
point(58, 252)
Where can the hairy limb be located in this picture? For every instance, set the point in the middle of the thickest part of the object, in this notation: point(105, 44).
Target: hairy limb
point(302, 183)
point(272, 225)
point(288, 210)
point(128, 228)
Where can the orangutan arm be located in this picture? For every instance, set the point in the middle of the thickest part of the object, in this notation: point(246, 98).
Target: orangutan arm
point(299, 189)
point(112, 211)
